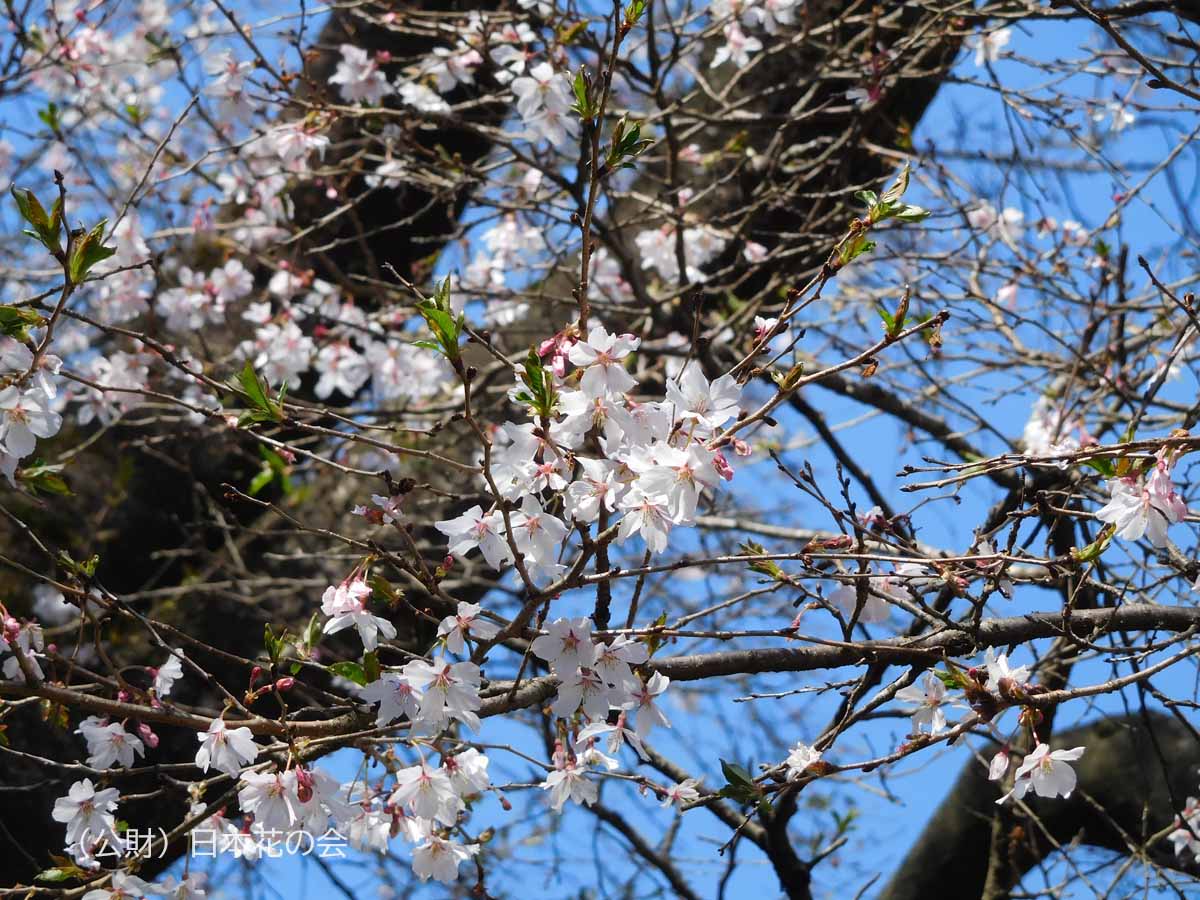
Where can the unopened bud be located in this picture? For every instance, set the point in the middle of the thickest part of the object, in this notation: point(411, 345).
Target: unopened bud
point(12, 628)
point(999, 765)
point(123, 695)
point(304, 785)
point(448, 562)
point(255, 674)
point(285, 684)
point(149, 738)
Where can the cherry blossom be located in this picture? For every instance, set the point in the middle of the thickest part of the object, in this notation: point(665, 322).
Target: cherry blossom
point(225, 749)
point(88, 813)
point(930, 697)
point(600, 357)
point(109, 743)
point(987, 45)
point(474, 529)
point(681, 793)
point(799, 759)
point(466, 620)
point(272, 798)
point(1046, 772)
point(346, 606)
point(359, 78)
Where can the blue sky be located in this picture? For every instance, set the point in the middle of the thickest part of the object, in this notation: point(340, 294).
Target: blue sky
point(967, 117)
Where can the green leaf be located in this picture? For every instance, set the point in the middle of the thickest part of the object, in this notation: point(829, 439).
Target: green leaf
point(47, 228)
point(870, 198)
point(371, 666)
point(44, 479)
point(351, 670)
point(1103, 465)
point(739, 785)
point(31, 208)
point(897, 188)
point(854, 247)
point(634, 11)
point(264, 477)
point(87, 251)
point(1096, 548)
point(580, 87)
point(262, 407)
point(949, 679)
point(85, 569)
point(446, 327)
point(15, 321)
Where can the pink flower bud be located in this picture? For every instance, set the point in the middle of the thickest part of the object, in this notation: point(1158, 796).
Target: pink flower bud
point(12, 628)
point(255, 674)
point(448, 562)
point(999, 765)
point(149, 738)
point(304, 785)
point(741, 448)
point(123, 696)
point(721, 464)
point(285, 684)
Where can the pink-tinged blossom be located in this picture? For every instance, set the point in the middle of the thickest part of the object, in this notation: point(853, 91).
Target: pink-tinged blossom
point(999, 669)
point(346, 606)
point(614, 662)
point(998, 767)
point(538, 536)
point(474, 529)
point(166, 675)
point(799, 759)
point(126, 887)
point(930, 697)
point(679, 475)
point(601, 357)
point(88, 813)
point(643, 705)
point(680, 794)
point(594, 489)
point(987, 46)
point(1187, 826)
point(341, 368)
point(1144, 505)
point(618, 734)
point(30, 641)
point(225, 749)
point(845, 599)
point(569, 781)
point(439, 858)
point(566, 645)
point(709, 405)
point(737, 47)
point(452, 66)
point(272, 799)
point(359, 78)
point(109, 743)
point(648, 515)
point(427, 792)
point(467, 771)
point(25, 416)
point(447, 691)
point(395, 695)
point(454, 629)
point(1046, 772)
